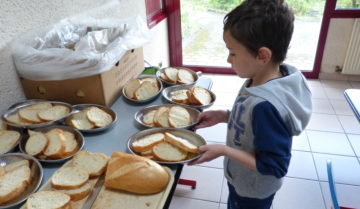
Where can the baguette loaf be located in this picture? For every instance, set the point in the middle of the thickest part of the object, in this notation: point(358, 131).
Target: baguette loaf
point(147, 142)
point(167, 152)
point(8, 140)
point(180, 142)
point(36, 144)
point(69, 178)
point(94, 163)
point(48, 200)
point(135, 174)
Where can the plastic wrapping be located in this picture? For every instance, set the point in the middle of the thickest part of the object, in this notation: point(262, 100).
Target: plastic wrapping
point(76, 48)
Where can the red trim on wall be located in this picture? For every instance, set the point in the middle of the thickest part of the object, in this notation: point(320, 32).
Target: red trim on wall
point(174, 31)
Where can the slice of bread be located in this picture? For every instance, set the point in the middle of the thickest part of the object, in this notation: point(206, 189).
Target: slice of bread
point(146, 91)
point(15, 119)
point(80, 121)
point(71, 144)
point(185, 77)
point(171, 73)
point(152, 80)
point(30, 115)
point(161, 117)
point(78, 193)
point(98, 117)
point(2, 171)
point(8, 140)
point(94, 163)
point(200, 95)
point(2, 125)
point(36, 144)
point(180, 142)
point(164, 77)
point(11, 166)
point(13, 183)
point(41, 106)
point(48, 200)
point(180, 96)
point(179, 117)
point(54, 113)
point(69, 178)
point(131, 87)
point(56, 147)
point(167, 152)
point(147, 142)
point(148, 118)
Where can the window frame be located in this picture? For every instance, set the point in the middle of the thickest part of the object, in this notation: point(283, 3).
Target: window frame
point(155, 12)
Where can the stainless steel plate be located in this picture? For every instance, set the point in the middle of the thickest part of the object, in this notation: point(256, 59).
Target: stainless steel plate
point(196, 76)
point(167, 93)
point(183, 133)
point(12, 149)
point(80, 107)
point(145, 100)
point(16, 107)
point(78, 136)
point(36, 176)
point(194, 113)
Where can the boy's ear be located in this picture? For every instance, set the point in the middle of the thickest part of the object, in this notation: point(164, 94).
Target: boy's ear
point(264, 55)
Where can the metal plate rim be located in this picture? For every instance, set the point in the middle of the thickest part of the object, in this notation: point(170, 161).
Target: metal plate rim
point(158, 75)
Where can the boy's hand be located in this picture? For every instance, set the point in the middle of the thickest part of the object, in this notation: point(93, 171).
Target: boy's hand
point(212, 117)
point(209, 152)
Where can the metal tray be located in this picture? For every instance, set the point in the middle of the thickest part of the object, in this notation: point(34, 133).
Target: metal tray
point(16, 144)
point(16, 107)
point(145, 100)
point(81, 107)
point(167, 93)
point(36, 176)
point(196, 76)
point(78, 136)
point(194, 113)
point(186, 134)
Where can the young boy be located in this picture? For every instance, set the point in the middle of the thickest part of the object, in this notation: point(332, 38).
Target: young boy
point(273, 105)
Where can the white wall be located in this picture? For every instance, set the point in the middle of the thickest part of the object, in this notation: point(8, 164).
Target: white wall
point(19, 16)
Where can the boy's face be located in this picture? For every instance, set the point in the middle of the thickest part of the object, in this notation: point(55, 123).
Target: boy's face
point(242, 61)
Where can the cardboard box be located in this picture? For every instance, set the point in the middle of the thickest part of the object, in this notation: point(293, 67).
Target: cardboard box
point(101, 89)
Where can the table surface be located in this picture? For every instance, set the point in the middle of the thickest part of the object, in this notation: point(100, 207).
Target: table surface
point(115, 139)
point(353, 98)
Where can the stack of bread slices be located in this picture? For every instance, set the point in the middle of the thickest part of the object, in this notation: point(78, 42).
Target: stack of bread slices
point(142, 88)
point(38, 113)
point(173, 116)
point(165, 147)
point(54, 144)
point(177, 76)
point(72, 182)
point(14, 179)
point(196, 95)
point(90, 118)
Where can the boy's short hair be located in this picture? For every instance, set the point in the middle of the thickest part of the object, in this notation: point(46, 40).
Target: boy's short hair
point(262, 23)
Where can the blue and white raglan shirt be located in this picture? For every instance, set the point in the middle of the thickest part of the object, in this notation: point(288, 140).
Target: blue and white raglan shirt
point(263, 121)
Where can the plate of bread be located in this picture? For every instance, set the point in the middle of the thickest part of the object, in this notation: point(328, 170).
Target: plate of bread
point(90, 118)
point(190, 96)
point(177, 76)
point(167, 116)
point(166, 145)
point(9, 139)
point(52, 144)
point(36, 113)
point(142, 89)
point(20, 176)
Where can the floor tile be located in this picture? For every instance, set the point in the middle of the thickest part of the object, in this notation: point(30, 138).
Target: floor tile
point(335, 84)
point(355, 143)
point(333, 93)
point(341, 107)
point(209, 183)
point(299, 194)
point(322, 106)
point(324, 122)
point(216, 133)
point(314, 83)
point(223, 206)
point(355, 84)
point(182, 202)
point(347, 195)
point(302, 166)
point(350, 124)
point(318, 93)
point(329, 142)
point(301, 142)
point(346, 169)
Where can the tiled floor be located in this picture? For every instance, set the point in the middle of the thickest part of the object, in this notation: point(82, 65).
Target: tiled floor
point(333, 133)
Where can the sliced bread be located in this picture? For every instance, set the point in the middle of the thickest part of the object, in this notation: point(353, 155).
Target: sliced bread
point(48, 200)
point(161, 117)
point(56, 145)
point(41, 106)
point(164, 77)
point(98, 117)
point(15, 119)
point(147, 142)
point(2, 125)
point(146, 90)
point(8, 140)
point(180, 142)
point(94, 163)
point(148, 118)
point(71, 144)
point(14, 165)
point(185, 77)
point(152, 80)
point(80, 121)
point(180, 96)
point(2, 171)
point(54, 113)
point(69, 178)
point(200, 95)
point(179, 117)
point(131, 87)
point(36, 144)
point(167, 152)
point(171, 73)
point(78, 193)
point(30, 115)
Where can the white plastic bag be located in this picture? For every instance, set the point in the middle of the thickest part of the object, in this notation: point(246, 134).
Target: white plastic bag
point(75, 48)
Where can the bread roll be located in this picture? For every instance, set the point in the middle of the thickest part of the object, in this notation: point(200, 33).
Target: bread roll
point(135, 174)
